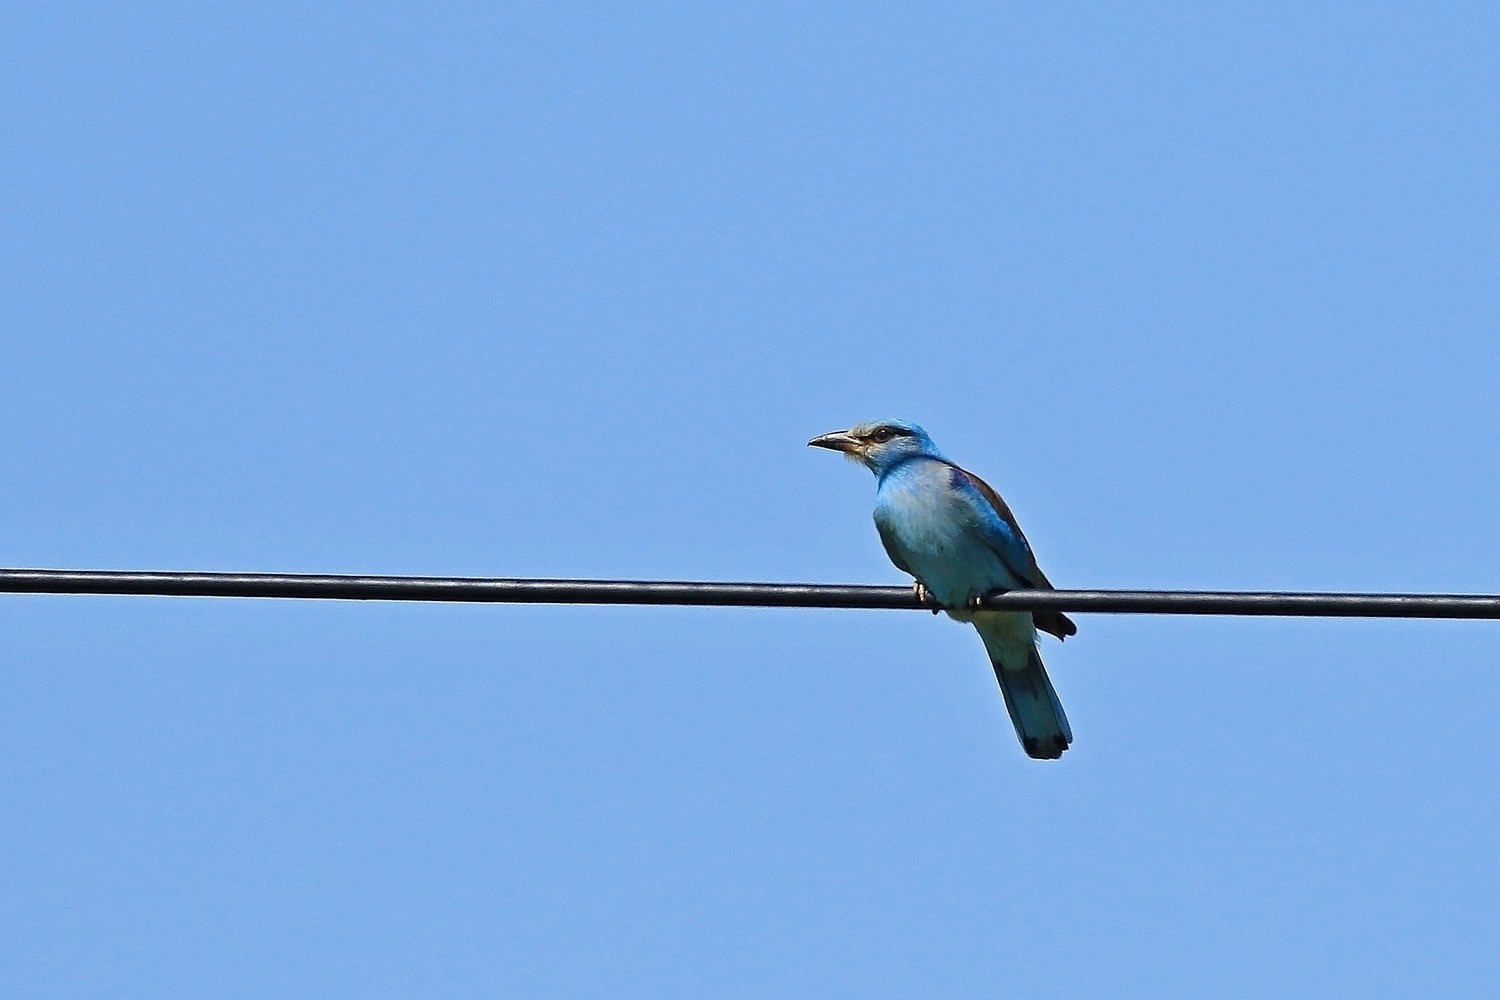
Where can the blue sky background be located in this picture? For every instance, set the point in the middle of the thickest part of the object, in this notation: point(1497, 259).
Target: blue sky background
point(1207, 291)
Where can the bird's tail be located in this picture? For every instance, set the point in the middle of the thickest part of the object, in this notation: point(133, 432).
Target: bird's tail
point(1038, 716)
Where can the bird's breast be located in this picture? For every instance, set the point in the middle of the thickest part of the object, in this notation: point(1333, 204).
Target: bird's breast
point(934, 534)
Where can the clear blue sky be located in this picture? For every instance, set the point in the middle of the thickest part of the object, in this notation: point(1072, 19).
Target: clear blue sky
point(1207, 291)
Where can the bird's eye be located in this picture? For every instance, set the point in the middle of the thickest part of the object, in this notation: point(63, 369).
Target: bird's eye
point(883, 435)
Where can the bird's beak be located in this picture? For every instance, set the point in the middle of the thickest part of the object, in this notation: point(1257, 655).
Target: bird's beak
point(837, 441)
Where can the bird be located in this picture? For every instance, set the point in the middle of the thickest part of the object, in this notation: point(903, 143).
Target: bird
point(954, 534)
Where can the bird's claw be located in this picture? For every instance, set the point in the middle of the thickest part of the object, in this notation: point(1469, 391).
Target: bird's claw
point(924, 596)
point(976, 602)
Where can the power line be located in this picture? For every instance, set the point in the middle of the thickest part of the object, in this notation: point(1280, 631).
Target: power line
point(486, 590)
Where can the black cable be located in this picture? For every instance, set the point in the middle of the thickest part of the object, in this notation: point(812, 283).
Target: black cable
point(322, 586)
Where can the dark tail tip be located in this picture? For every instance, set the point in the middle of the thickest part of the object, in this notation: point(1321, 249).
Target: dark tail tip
point(1051, 749)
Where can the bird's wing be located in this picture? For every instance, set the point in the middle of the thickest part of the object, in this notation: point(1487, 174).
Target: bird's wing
point(1005, 536)
point(997, 525)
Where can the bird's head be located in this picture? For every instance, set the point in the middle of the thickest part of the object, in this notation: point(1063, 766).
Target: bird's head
point(879, 445)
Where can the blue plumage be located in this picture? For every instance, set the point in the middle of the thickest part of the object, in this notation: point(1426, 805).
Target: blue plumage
point(952, 532)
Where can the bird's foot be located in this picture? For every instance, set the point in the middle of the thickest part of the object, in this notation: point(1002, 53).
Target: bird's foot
point(924, 597)
point(975, 602)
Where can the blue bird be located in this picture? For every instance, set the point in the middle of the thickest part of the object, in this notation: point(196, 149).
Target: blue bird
point(948, 529)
